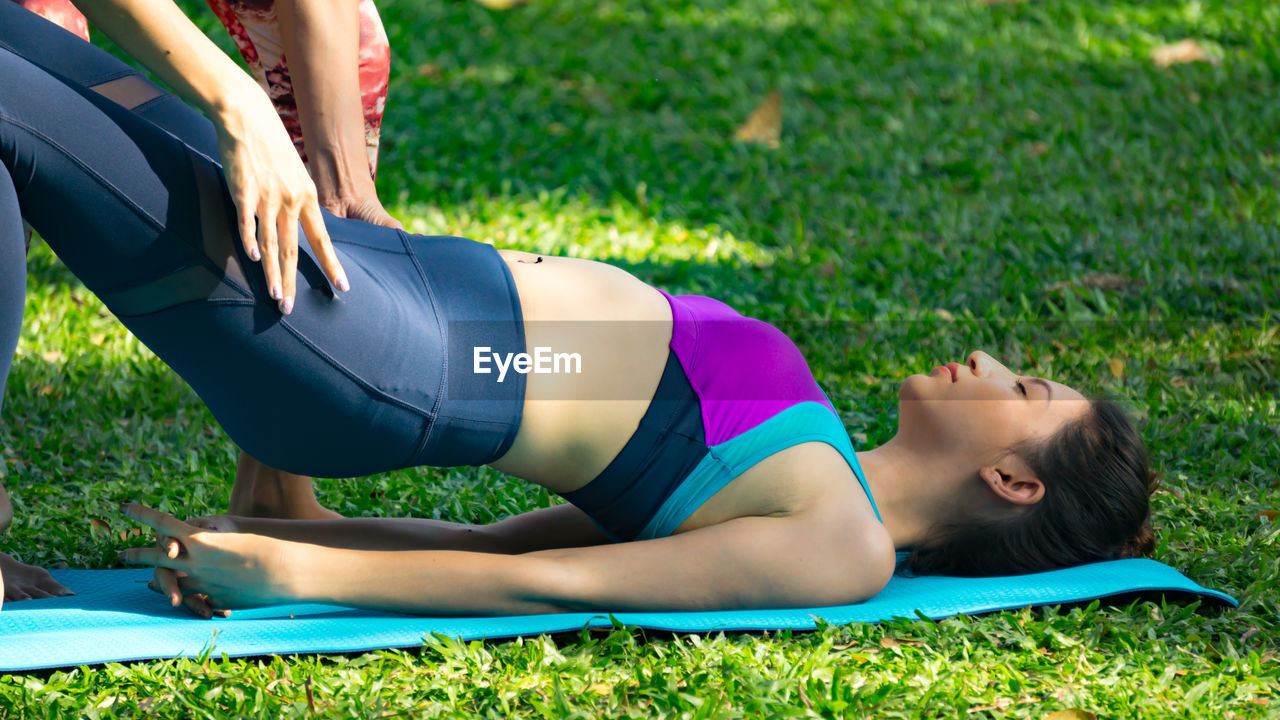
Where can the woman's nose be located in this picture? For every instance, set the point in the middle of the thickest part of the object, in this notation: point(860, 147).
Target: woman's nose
point(981, 363)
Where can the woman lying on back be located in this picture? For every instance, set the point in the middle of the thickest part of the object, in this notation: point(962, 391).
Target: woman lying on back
point(703, 465)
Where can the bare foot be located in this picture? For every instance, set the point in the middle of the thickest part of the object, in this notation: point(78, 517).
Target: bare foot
point(265, 492)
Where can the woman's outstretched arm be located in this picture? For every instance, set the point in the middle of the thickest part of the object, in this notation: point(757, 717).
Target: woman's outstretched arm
point(543, 529)
point(807, 559)
point(561, 526)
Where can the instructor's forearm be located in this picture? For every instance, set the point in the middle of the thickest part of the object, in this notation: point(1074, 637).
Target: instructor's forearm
point(377, 533)
point(161, 37)
point(322, 41)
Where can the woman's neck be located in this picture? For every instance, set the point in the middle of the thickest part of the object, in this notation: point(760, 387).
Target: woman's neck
point(912, 490)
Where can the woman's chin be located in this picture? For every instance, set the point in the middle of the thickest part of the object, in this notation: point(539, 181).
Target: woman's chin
point(911, 389)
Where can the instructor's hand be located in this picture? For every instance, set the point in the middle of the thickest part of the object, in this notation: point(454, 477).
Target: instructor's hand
point(272, 193)
point(368, 209)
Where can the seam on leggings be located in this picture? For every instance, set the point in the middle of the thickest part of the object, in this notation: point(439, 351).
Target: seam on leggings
point(351, 374)
point(103, 80)
point(212, 301)
point(89, 171)
point(444, 334)
point(139, 107)
point(114, 75)
point(367, 247)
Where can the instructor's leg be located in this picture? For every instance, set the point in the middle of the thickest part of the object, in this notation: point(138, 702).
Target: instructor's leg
point(122, 203)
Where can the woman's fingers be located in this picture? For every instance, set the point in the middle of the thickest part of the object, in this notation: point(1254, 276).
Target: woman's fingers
point(198, 604)
point(151, 556)
point(198, 601)
point(171, 546)
point(318, 238)
point(245, 201)
point(165, 582)
point(162, 523)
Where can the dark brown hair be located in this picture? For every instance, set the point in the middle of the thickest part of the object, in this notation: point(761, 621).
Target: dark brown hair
point(1096, 506)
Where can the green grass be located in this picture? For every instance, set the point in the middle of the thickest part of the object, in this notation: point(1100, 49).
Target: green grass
point(948, 175)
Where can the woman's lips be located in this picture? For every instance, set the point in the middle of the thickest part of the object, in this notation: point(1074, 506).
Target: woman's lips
point(950, 368)
point(954, 369)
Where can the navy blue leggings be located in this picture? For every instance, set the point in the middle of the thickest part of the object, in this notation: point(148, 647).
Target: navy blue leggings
point(49, 46)
point(13, 278)
point(375, 379)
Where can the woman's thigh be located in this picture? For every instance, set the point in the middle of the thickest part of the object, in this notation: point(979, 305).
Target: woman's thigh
point(43, 43)
point(125, 206)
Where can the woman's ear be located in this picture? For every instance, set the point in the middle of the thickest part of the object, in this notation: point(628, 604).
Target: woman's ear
point(1013, 481)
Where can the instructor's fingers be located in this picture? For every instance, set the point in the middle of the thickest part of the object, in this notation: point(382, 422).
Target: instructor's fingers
point(162, 523)
point(318, 238)
point(267, 211)
point(244, 202)
point(288, 231)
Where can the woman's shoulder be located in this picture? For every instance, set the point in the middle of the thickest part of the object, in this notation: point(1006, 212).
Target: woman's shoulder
point(811, 479)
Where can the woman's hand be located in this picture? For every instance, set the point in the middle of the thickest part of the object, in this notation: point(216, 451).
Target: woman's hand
point(168, 582)
point(272, 193)
point(213, 571)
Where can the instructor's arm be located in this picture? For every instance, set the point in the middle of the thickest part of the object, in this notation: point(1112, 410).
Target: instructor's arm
point(266, 177)
point(322, 42)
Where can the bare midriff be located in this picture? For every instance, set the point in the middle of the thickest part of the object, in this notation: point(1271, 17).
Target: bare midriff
point(575, 423)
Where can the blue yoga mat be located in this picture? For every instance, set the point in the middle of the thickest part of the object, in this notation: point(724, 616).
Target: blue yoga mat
point(115, 618)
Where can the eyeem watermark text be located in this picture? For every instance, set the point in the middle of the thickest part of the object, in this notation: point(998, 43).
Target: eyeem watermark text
point(542, 362)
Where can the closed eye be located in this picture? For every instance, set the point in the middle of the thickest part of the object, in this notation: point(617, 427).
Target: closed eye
point(1022, 388)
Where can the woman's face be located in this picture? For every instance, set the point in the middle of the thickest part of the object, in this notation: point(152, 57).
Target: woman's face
point(979, 409)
